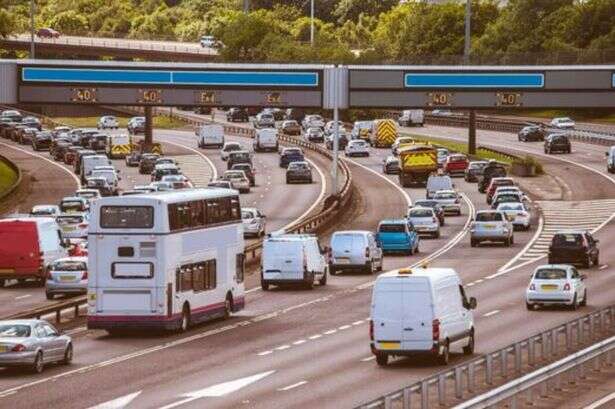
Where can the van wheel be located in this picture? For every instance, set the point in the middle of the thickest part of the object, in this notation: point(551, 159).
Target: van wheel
point(264, 285)
point(369, 267)
point(529, 307)
point(2, 281)
point(382, 359)
point(49, 296)
point(332, 270)
point(469, 349)
point(185, 322)
point(38, 365)
point(444, 357)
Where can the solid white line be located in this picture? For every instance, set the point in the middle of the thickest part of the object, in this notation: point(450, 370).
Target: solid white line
point(299, 342)
point(601, 402)
point(343, 327)
point(529, 244)
point(316, 336)
point(21, 297)
point(294, 385)
point(357, 322)
point(369, 358)
point(264, 353)
point(603, 267)
point(489, 314)
point(331, 331)
point(36, 155)
point(282, 347)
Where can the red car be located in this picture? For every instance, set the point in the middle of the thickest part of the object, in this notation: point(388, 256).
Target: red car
point(495, 183)
point(456, 163)
point(47, 33)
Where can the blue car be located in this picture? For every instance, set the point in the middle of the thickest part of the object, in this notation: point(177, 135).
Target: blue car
point(398, 235)
point(289, 155)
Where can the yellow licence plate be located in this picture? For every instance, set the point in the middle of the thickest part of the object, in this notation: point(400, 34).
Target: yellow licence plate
point(67, 278)
point(489, 226)
point(389, 345)
point(549, 287)
point(68, 228)
point(7, 271)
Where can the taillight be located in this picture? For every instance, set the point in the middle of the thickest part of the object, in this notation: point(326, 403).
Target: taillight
point(567, 287)
point(18, 348)
point(435, 329)
point(84, 276)
point(367, 252)
point(49, 275)
point(83, 225)
point(532, 287)
point(371, 330)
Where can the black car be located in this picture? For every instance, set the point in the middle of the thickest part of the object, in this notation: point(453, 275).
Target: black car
point(202, 110)
point(492, 170)
point(41, 140)
point(298, 172)
point(532, 133)
point(557, 143)
point(237, 115)
point(289, 155)
point(147, 163)
point(17, 131)
point(32, 122)
point(248, 170)
point(98, 143)
point(27, 135)
point(294, 114)
point(278, 114)
point(236, 157)
point(86, 137)
point(60, 149)
point(437, 208)
point(574, 247)
point(474, 171)
point(341, 142)
point(5, 124)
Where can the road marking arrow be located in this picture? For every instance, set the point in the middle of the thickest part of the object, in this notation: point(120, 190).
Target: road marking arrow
point(119, 403)
point(219, 390)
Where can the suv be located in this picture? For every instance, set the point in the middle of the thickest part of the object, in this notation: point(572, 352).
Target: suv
point(238, 157)
point(531, 133)
point(491, 225)
point(289, 155)
point(557, 143)
point(298, 171)
point(237, 115)
point(574, 247)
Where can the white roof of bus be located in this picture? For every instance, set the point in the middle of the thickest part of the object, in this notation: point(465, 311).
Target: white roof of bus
point(167, 197)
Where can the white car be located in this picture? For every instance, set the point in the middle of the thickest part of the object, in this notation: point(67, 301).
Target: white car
point(161, 186)
point(491, 225)
point(178, 181)
point(253, 222)
point(88, 194)
point(330, 127)
point(228, 148)
point(238, 180)
point(73, 225)
point(425, 221)
point(517, 213)
point(449, 200)
point(107, 122)
point(357, 147)
point(562, 123)
point(556, 284)
point(442, 155)
point(45, 211)
point(207, 41)
point(313, 121)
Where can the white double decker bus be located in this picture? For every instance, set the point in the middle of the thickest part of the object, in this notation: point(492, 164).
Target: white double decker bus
point(165, 260)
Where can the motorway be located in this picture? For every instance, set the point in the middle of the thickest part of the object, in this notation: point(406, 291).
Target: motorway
point(310, 348)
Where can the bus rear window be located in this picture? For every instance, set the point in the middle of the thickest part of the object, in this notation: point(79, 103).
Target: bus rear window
point(127, 217)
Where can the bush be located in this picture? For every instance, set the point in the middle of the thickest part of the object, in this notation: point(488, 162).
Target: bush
point(529, 161)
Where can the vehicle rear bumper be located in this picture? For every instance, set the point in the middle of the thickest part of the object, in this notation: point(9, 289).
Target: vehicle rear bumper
point(19, 274)
point(433, 349)
point(133, 322)
point(17, 358)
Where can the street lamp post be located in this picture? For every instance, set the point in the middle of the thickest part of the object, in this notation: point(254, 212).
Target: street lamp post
point(32, 29)
point(466, 61)
point(312, 23)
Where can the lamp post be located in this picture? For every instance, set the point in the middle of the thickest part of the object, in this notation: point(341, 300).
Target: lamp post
point(466, 61)
point(32, 29)
point(312, 23)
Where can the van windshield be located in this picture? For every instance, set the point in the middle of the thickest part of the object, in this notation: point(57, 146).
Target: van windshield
point(392, 228)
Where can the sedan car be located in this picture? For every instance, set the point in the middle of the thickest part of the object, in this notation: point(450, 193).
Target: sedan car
point(474, 170)
point(101, 184)
point(136, 125)
point(562, 123)
point(73, 226)
point(299, 172)
point(449, 200)
point(357, 147)
point(67, 275)
point(315, 135)
point(33, 343)
point(531, 133)
point(41, 140)
point(556, 284)
point(253, 222)
point(45, 211)
point(425, 221)
point(517, 213)
point(390, 165)
point(238, 180)
point(47, 32)
point(107, 122)
point(291, 127)
point(491, 225)
point(228, 148)
point(178, 181)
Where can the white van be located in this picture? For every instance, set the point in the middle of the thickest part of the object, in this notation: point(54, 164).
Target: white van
point(420, 310)
point(411, 117)
point(90, 162)
point(438, 182)
point(610, 160)
point(266, 139)
point(355, 250)
point(292, 259)
point(210, 135)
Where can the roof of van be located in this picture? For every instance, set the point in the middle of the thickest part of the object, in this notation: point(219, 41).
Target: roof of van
point(290, 237)
point(394, 221)
point(433, 273)
point(173, 196)
point(37, 220)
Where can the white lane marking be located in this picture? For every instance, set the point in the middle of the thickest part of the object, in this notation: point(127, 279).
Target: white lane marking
point(282, 347)
point(119, 403)
point(389, 181)
point(331, 331)
point(505, 268)
point(490, 313)
point(315, 336)
point(293, 386)
point(36, 155)
point(343, 327)
point(603, 267)
point(264, 353)
point(369, 358)
point(601, 401)
point(321, 195)
point(214, 171)
point(21, 297)
point(252, 290)
point(299, 342)
point(358, 322)
point(77, 330)
point(470, 284)
point(479, 281)
point(219, 390)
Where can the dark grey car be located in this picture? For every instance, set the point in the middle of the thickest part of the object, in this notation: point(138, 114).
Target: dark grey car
point(299, 172)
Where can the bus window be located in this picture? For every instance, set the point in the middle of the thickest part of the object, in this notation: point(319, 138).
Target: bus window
point(127, 217)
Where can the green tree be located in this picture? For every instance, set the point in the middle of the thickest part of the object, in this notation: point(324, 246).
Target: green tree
point(242, 36)
point(351, 9)
point(69, 22)
point(8, 23)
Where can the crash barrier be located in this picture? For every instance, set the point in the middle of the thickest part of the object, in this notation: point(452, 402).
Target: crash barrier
point(17, 182)
point(453, 385)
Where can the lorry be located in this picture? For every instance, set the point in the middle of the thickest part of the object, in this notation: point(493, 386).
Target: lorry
point(119, 146)
point(416, 163)
point(384, 133)
point(411, 117)
point(210, 136)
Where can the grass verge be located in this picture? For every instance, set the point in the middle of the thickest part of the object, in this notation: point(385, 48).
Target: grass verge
point(7, 177)
point(160, 122)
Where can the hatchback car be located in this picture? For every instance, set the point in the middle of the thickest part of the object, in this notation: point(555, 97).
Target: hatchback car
point(228, 148)
point(41, 140)
point(425, 221)
point(248, 169)
point(47, 32)
point(456, 164)
point(238, 180)
point(531, 133)
point(432, 204)
point(33, 343)
point(494, 184)
point(136, 125)
point(557, 143)
point(357, 147)
point(74, 225)
point(517, 213)
point(223, 184)
point(341, 142)
point(493, 226)
point(556, 284)
point(90, 195)
point(562, 123)
point(442, 154)
point(289, 155)
point(45, 211)
point(146, 163)
point(253, 222)
point(101, 184)
point(237, 157)
point(449, 200)
point(163, 170)
point(299, 172)
point(291, 127)
point(390, 165)
point(178, 181)
point(107, 122)
point(264, 120)
point(574, 247)
point(133, 159)
point(400, 142)
point(397, 235)
point(315, 135)
point(506, 197)
point(67, 275)
point(474, 171)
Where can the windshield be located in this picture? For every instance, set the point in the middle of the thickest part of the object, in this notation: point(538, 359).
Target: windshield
point(298, 166)
point(69, 265)
point(233, 147)
point(392, 228)
point(72, 205)
point(511, 206)
point(550, 274)
point(122, 217)
point(445, 196)
point(62, 220)
point(567, 240)
point(234, 175)
point(14, 331)
point(246, 214)
point(420, 213)
point(489, 217)
point(87, 195)
point(425, 203)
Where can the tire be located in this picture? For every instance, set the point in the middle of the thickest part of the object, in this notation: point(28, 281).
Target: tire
point(575, 303)
point(584, 302)
point(379, 268)
point(264, 285)
point(2, 282)
point(68, 355)
point(587, 262)
point(38, 365)
point(473, 243)
point(437, 235)
point(49, 296)
point(597, 260)
point(323, 280)
point(469, 349)
point(228, 306)
point(507, 242)
point(369, 268)
point(444, 357)
point(528, 306)
point(512, 239)
point(185, 322)
point(332, 270)
point(382, 359)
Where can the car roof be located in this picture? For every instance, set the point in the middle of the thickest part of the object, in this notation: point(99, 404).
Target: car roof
point(488, 211)
point(352, 232)
point(393, 221)
point(570, 231)
point(557, 266)
point(420, 208)
point(73, 198)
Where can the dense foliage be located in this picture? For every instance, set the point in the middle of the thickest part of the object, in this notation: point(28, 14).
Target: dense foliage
point(382, 31)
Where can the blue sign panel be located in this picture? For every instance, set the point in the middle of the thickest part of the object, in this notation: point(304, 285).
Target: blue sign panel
point(474, 80)
point(165, 77)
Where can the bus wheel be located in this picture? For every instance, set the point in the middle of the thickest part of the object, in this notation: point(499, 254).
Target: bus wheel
point(228, 306)
point(185, 322)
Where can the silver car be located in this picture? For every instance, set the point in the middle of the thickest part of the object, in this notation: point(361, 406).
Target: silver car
point(491, 225)
point(67, 275)
point(238, 180)
point(425, 221)
point(253, 222)
point(33, 344)
point(449, 200)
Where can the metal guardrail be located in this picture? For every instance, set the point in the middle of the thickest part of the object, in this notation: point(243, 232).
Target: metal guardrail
point(500, 365)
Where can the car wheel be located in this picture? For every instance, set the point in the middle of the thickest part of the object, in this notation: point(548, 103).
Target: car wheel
point(2, 281)
point(575, 303)
point(584, 302)
point(529, 307)
point(264, 285)
point(228, 306)
point(444, 357)
point(382, 359)
point(38, 365)
point(473, 243)
point(469, 349)
point(323, 280)
point(68, 355)
point(49, 296)
point(332, 270)
point(512, 239)
point(369, 268)
point(587, 262)
point(437, 235)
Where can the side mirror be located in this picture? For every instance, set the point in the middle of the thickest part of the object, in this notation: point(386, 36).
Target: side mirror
point(596, 241)
point(583, 277)
point(473, 303)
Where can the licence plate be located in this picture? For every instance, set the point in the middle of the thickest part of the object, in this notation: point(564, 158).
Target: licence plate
point(68, 228)
point(3, 349)
point(548, 287)
point(67, 278)
point(342, 260)
point(489, 226)
point(389, 345)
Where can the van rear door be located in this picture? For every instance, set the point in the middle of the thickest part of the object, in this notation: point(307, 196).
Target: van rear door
point(418, 315)
point(19, 248)
point(387, 314)
point(284, 261)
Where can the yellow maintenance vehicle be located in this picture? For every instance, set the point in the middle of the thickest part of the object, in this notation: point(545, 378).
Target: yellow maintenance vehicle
point(416, 163)
point(384, 133)
point(119, 146)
